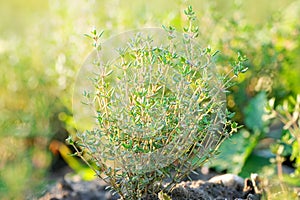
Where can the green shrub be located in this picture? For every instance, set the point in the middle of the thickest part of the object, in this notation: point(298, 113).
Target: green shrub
point(159, 105)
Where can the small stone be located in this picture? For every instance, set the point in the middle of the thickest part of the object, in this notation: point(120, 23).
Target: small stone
point(229, 180)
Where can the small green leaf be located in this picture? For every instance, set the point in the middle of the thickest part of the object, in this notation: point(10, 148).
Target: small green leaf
point(100, 34)
point(70, 140)
point(215, 53)
point(128, 146)
point(88, 36)
point(109, 73)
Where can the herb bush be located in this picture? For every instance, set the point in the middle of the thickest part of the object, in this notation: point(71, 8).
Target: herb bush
point(156, 110)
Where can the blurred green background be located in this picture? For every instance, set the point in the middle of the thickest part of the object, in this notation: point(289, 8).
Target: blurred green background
point(42, 47)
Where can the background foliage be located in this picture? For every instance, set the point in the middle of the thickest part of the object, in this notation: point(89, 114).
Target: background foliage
point(42, 46)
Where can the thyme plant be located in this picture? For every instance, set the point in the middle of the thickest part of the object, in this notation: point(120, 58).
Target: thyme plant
point(159, 108)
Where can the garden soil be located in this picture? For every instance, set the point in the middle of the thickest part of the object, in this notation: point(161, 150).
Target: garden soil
point(228, 186)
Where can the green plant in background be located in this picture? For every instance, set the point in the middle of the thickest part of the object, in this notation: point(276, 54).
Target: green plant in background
point(35, 88)
point(289, 144)
point(271, 48)
point(160, 111)
point(236, 151)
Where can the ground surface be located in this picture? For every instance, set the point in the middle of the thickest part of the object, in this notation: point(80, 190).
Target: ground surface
point(216, 188)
